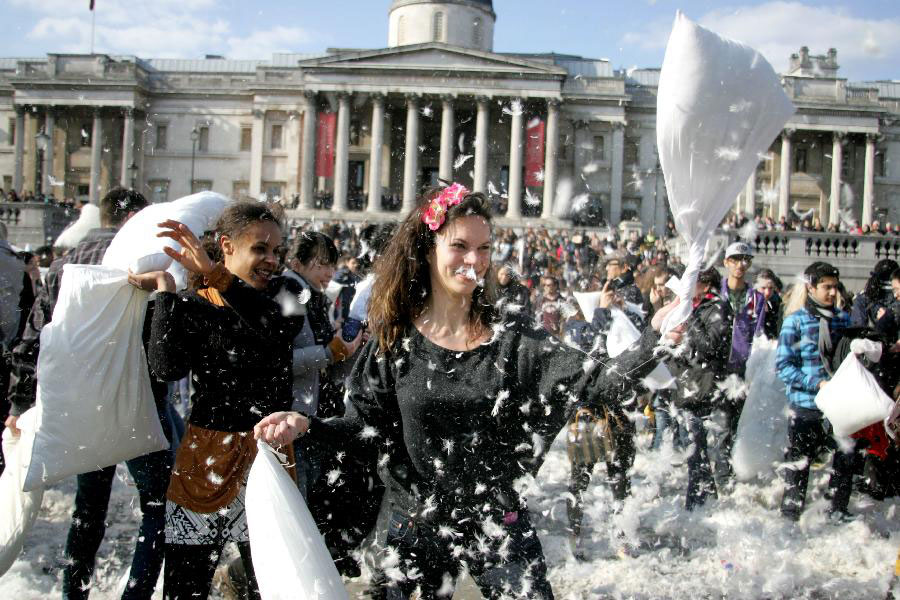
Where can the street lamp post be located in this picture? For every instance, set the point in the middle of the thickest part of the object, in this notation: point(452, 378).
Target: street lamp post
point(41, 141)
point(195, 135)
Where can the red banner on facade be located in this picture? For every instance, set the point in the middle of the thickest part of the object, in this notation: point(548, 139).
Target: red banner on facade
point(534, 153)
point(326, 125)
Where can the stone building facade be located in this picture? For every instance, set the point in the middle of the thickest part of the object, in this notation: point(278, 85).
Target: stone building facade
point(355, 132)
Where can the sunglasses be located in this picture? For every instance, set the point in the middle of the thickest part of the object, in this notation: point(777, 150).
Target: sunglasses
point(741, 258)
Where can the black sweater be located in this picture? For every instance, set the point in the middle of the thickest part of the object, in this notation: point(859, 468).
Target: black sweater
point(463, 426)
point(239, 356)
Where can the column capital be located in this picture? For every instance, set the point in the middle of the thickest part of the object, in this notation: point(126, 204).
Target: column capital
point(788, 132)
point(293, 113)
point(343, 95)
point(447, 98)
point(482, 99)
point(377, 96)
point(128, 112)
point(20, 110)
point(258, 113)
point(96, 111)
point(874, 137)
point(617, 126)
point(838, 136)
point(412, 98)
point(554, 102)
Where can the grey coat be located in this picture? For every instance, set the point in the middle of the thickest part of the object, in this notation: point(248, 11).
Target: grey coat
point(309, 360)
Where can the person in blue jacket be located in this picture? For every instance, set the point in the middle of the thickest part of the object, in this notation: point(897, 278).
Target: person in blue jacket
point(804, 363)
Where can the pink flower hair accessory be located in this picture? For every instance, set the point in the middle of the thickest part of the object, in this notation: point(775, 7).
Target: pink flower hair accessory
point(436, 212)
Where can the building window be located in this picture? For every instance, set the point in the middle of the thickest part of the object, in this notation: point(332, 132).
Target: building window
point(599, 147)
point(880, 164)
point(438, 33)
point(240, 190)
point(848, 160)
point(274, 190)
point(246, 139)
point(275, 142)
point(7, 182)
point(201, 185)
point(86, 132)
point(631, 152)
point(82, 190)
point(355, 132)
point(11, 132)
point(159, 190)
point(477, 34)
point(401, 25)
point(800, 160)
point(162, 133)
point(203, 140)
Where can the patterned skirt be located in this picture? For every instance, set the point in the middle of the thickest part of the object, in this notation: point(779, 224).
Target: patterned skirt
point(228, 524)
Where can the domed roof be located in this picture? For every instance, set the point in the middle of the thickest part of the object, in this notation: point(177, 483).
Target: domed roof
point(489, 4)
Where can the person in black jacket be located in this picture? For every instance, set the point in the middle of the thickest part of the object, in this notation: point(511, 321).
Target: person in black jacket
point(150, 472)
point(456, 401)
point(701, 364)
point(875, 296)
point(235, 339)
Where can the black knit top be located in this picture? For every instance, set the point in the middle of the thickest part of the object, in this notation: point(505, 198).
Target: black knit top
point(239, 356)
point(463, 426)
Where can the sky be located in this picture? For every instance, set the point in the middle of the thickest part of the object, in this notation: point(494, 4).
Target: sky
point(630, 33)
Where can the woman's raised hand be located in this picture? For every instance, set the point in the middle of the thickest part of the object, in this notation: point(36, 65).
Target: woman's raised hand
point(192, 255)
point(155, 280)
point(281, 428)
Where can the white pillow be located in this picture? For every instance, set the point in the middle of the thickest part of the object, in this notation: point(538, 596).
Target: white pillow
point(136, 247)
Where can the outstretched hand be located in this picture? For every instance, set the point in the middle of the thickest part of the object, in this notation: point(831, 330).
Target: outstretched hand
point(281, 428)
point(192, 256)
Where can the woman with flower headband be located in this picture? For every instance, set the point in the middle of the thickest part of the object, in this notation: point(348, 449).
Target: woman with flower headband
point(457, 398)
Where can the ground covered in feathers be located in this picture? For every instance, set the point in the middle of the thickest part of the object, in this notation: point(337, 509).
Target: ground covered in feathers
point(736, 547)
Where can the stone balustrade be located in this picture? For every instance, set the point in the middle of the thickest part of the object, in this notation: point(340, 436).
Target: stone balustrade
point(34, 223)
point(789, 252)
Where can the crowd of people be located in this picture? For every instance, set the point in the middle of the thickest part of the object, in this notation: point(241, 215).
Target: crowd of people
point(808, 223)
point(430, 364)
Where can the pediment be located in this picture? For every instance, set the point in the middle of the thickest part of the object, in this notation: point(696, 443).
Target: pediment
point(433, 57)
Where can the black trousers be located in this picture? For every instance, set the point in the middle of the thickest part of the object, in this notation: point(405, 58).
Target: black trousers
point(808, 435)
point(505, 560)
point(189, 570)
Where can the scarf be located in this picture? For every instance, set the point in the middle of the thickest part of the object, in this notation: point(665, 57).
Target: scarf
point(824, 314)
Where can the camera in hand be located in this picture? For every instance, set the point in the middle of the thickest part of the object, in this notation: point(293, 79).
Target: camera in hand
point(351, 329)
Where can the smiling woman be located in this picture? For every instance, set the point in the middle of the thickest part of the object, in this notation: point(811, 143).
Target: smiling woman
point(455, 399)
point(233, 339)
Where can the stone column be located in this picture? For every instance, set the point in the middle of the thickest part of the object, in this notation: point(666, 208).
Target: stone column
point(618, 162)
point(293, 156)
point(18, 172)
point(342, 154)
point(448, 124)
point(784, 181)
point(837, 153)
point(869, 181)
point(481, 145)
point(256, 152)
point(96, 155)
point(127, 148)
point(551, 149)
point(47, 169)
point(516, 155)
point(411, 159)
point(375, 151)
point(308, 156)
point(750, 195)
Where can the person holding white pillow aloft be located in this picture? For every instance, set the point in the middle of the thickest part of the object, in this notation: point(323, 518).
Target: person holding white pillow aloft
point(235, 340)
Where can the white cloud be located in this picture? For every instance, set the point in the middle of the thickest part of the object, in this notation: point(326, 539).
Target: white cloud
point(155, 29)
point(778, 28)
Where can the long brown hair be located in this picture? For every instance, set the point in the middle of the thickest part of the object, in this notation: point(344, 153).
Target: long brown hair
point(403, 276)
point(235, 220)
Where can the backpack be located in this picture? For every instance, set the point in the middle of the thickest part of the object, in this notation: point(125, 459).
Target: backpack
point(590, 438)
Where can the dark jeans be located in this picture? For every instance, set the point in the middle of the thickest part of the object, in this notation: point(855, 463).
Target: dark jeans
point(509, 565)
point(700, 484)
point(151, 476)
point(190, 570)
point(808, 435)
point(667, 417)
